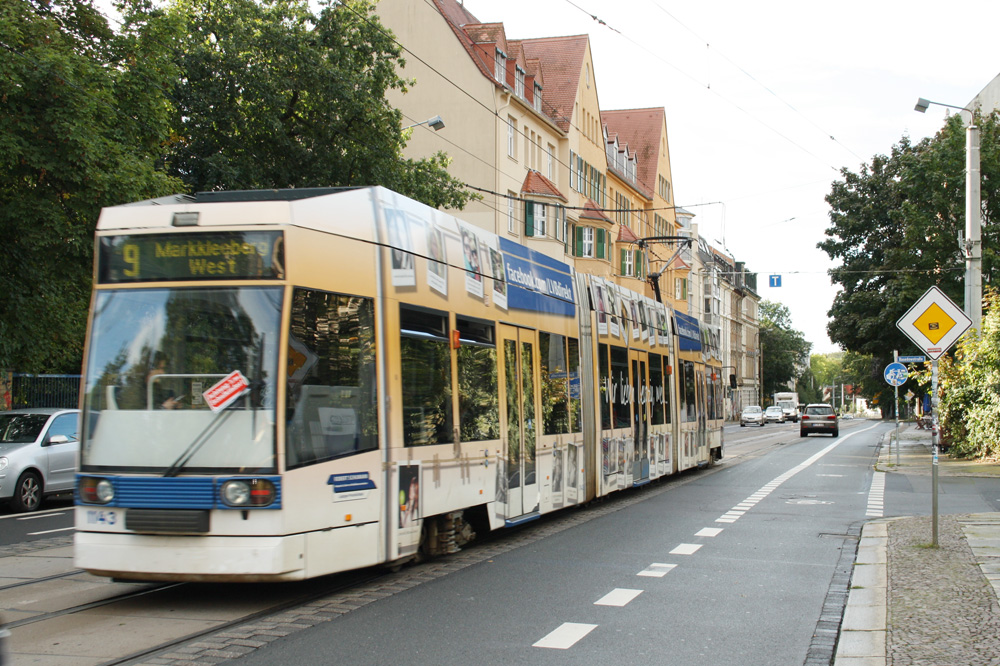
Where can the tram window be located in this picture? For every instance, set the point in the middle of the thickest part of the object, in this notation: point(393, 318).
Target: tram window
point(606, 387)
point(689, 405)
point(622, 388)
point(555, 383)
point(331, 404)
point(478, 397)
point(426, 377)
point(573, 365)
point(656, 389)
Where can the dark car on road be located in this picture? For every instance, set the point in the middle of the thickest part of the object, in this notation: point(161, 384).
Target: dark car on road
point(38, 454)
point(819, 418)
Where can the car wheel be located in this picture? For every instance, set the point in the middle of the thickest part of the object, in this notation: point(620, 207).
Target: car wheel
point(836, 432)
point(743, 425)
point(802, 433)
point(27, 493)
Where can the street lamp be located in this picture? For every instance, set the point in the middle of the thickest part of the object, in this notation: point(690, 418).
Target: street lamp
point(972, 247)
point(434, 123)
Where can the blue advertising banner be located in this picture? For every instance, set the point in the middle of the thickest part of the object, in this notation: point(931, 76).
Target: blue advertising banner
point(688, 332)
point(536, 282)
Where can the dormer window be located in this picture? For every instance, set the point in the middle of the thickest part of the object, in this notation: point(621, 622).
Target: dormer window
point(538, 98)
point(500, 66)
point(518, 81)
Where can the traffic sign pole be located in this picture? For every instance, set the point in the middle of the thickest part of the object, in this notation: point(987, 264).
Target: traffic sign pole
point(934, 463)
point(895, 359)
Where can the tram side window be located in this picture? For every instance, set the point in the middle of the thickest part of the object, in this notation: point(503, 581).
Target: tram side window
point(426, 377)
point(656, 390)
point(555, 383)
point(622, 388)
point(689, 403)
point(575, 406)
point(478, 397)
point(604, 372)
point(331, 405)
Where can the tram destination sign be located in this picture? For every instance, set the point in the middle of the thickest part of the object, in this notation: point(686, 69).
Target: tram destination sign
point(214, 255)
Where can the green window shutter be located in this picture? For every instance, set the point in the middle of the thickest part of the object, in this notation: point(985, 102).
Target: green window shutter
point(600, 244)
point(529, 219)
point(621, 255)
point(638, 264)
point(578, 232)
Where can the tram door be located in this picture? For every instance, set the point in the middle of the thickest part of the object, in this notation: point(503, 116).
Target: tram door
point(518, 420)
point(702, 438)
point(640, 416)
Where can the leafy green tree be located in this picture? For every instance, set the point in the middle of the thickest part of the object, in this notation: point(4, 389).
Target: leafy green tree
point(83, 118)
point(274, 96)
point(785, 350)
point(894, 231)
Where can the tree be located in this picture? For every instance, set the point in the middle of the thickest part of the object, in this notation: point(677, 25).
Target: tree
point(273, 96)
point(784, 349)
point(82, 123)
point(894, 229)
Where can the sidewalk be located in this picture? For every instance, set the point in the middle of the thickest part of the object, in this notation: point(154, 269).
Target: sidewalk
point(913, 604)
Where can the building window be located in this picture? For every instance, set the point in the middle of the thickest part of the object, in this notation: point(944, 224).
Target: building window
point(500, 66)
point(512, 137)
point(572, 170)
point(680, 289)
point(538, 98)
point(586, 241)
point(518, 81)
point(551, 169)
point(511, 217)
point(628, 267)
point(663, 188)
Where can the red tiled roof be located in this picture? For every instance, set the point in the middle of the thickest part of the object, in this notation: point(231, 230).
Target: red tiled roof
point(640, 129)
point(563, 58)
point(592, 211)
point(537, 184)
point(625, 234)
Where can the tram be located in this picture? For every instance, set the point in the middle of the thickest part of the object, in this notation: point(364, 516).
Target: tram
point(287, 384)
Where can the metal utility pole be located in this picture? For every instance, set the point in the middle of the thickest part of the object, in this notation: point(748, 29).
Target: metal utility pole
point(973, 229)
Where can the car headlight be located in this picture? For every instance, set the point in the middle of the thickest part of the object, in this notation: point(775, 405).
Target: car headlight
point(96, 491)
point(248, 492)
point(3, 463)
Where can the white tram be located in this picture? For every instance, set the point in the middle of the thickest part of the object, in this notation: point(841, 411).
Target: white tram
point(287, 384)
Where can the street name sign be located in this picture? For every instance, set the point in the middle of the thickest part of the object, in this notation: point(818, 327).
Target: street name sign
point(895, 374)
point(934, 323)
point(912, 359)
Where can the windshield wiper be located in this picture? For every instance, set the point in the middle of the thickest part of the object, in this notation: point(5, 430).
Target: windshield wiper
point(197, 443)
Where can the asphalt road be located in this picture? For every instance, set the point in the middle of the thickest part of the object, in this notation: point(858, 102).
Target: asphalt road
point(731, 567)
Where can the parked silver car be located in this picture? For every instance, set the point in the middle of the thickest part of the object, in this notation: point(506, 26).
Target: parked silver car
point(38, 455)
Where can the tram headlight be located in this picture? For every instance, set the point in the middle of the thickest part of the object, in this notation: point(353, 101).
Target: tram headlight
point(96, 491)
point(248, 492)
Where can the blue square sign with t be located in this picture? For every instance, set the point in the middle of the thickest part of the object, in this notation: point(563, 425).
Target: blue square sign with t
point(775, 280)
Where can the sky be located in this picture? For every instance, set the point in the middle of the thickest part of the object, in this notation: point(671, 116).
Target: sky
point(767, 101)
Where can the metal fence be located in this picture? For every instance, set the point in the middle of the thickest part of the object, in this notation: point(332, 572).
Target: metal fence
point(41, 391)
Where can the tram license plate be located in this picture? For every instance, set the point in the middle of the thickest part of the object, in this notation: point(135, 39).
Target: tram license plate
point(95, 517)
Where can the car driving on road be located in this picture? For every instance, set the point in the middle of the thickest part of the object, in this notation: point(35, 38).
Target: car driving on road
point(752, 415)
point(819, 418)
point(774, 414)
point(38, 453)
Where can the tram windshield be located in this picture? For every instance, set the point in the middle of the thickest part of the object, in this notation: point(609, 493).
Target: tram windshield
point(153, 355)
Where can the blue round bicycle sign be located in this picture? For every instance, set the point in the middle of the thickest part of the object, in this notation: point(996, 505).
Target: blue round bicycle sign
point(895, 374)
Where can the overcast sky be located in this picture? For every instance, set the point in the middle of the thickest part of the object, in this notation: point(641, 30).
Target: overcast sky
point(754, 91)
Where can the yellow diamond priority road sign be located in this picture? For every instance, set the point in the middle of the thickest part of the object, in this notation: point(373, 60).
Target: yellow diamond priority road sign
point(934, 323)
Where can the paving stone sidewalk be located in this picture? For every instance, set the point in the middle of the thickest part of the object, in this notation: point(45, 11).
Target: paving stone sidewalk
point(912, 604)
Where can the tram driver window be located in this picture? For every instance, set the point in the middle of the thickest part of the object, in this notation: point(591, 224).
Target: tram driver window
point(426, 377)
point(331, 405)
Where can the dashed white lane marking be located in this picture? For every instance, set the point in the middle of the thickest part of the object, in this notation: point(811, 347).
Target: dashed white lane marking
point(656, 570)
point(708, 531)
point(686, 549)
point(617, 597)
point(876, 496)
point(565, 636)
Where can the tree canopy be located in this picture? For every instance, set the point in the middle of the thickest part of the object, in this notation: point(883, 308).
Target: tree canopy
point(894, 229)
point(784, 350)
point(199, 95)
